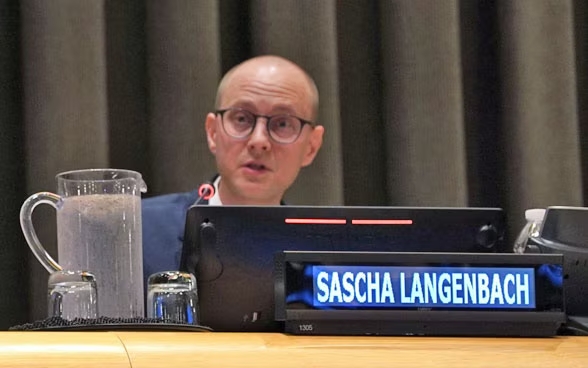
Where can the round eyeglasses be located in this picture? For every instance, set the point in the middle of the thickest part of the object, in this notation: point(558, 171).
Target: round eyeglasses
point(240, 123)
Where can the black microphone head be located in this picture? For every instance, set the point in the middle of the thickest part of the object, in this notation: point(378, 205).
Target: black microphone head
point(206, 191)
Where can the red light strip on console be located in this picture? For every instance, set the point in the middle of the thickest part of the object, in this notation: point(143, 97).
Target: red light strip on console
point(381, 222)
point(315, 221)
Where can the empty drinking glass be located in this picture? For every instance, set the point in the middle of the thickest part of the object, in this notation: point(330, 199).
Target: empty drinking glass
point(173, 296)
point(72, 294)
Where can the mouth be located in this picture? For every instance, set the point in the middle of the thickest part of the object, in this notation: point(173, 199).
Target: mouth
point(256, 166)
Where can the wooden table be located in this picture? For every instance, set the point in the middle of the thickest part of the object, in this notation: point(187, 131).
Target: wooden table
point(193, 349)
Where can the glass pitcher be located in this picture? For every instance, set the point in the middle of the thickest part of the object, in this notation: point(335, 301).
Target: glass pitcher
point(98, 230)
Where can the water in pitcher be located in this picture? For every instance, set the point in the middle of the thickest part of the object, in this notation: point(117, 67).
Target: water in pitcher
point(102, 234)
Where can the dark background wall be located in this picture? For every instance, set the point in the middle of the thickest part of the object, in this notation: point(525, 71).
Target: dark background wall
point(425, 102)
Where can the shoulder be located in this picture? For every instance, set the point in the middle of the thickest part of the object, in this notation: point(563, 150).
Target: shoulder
point(165, 215)
point(166, 208)
point(174, 200)
point(164, 219)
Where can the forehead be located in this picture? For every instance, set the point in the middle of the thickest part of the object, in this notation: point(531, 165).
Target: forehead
point(269, 87)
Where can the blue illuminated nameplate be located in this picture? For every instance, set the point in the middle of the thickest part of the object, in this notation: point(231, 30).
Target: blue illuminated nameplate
point(401, 287)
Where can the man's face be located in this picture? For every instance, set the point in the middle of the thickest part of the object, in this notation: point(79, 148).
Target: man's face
point(256, 169)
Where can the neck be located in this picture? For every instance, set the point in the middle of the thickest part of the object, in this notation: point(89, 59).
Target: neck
point(229, 198)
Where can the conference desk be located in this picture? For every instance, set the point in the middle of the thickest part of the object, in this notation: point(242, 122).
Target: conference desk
point(194, 349)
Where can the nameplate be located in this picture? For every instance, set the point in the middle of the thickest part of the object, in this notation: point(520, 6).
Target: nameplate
point(419, 293)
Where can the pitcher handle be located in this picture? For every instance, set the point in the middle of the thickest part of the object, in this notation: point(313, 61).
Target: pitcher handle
point(26, 223)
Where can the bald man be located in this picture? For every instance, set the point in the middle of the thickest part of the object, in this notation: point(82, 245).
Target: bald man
point(261, 134)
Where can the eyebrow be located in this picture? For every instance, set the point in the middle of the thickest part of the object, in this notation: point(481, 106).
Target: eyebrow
point(276, 109)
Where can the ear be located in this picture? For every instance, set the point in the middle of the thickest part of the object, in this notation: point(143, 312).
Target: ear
point(315, 141)
point(211, 131)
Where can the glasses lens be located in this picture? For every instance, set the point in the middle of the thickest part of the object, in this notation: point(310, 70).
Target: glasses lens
point(238, 123)
point(284, 128)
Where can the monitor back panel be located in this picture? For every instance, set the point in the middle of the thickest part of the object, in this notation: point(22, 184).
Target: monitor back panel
point(231, 249)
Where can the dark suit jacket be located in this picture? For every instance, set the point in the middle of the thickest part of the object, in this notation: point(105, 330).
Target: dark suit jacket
point(164, 219)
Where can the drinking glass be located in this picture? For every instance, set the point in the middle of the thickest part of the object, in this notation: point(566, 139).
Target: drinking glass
point(72, 294)
point(173, 296)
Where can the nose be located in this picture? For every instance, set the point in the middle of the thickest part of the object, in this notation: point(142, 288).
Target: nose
point(259, 139)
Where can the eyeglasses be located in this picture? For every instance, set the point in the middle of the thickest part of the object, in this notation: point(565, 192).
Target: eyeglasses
point(240, 123)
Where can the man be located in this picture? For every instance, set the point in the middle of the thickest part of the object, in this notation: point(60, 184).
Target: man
point(261, 134)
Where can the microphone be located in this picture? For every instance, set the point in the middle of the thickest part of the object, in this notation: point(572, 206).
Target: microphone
point(205, 192)
point(191, 252)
